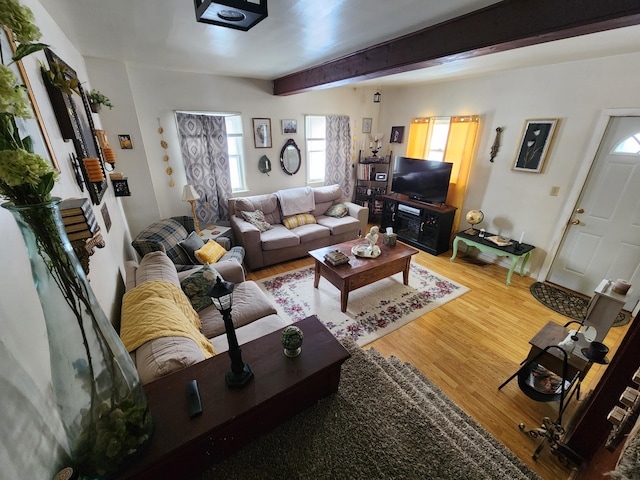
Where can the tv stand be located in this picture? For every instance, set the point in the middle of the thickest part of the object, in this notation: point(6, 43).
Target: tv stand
point(426, 226)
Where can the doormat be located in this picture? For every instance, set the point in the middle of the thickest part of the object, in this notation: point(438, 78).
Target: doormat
point(569, 304)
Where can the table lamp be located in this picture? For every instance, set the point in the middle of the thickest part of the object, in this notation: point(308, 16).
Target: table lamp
point(190, 195)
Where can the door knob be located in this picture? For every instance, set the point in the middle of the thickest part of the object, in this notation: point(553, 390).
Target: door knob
point(580, 210)
point(575, 222)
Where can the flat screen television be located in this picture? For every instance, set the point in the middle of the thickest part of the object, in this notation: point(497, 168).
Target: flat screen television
point(423, 180)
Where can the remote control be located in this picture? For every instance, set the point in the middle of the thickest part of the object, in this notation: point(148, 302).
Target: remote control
point(193, 399)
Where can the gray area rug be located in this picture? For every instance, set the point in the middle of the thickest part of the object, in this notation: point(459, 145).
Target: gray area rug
point(387, 421)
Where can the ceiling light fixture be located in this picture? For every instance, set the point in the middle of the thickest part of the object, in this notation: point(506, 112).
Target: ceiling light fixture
point(237, 14)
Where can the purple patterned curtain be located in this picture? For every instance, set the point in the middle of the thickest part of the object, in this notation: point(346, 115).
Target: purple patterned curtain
point(338, 165)
point(203, 142)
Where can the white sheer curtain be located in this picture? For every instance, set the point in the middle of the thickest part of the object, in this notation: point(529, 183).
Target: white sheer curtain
point(203, 142)
point(338, 164)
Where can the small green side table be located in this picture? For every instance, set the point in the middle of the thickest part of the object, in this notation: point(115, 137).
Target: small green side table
point(514, 251)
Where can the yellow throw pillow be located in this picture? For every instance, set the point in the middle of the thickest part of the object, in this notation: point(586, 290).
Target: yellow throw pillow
point(297, 220)
point(210, 253)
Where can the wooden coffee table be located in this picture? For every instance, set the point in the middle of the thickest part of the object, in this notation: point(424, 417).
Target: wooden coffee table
point(361, 271)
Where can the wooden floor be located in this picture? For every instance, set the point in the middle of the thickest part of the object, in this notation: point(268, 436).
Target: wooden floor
point(469, 346)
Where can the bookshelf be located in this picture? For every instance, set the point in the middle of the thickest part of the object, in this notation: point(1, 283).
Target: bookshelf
point(372, 182)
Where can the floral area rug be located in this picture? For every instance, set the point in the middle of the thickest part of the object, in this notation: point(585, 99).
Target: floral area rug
point(372, 311)
point(568, 304)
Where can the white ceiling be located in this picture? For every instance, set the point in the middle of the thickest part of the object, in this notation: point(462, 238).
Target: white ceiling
point(297, 34)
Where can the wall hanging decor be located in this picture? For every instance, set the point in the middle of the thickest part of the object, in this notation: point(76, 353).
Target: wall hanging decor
point(165, 156)
point(262, 132)
point(289, 126)
point(71, 109)
point(534, 144)
point(397, 133)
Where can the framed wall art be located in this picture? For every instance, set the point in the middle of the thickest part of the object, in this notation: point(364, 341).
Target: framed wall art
point(366, 125)
point(289, 126)
point(535, 141)
point(75, 120)
point(396, 135)
point(262, 132)
point(34, 127)
point(125, 141)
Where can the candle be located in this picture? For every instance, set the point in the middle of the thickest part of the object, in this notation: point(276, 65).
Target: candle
point(521, 237)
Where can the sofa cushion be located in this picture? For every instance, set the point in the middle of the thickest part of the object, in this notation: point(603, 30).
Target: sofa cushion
point(156, 266)
point(249, 304)
point(300, 219)
point(268, 204)
point(311, 232)
point(162, 356)
point(211, 252)
point(325, 197)
point(163, 235)
point(338, 226)
point(337, 210)
point(189, 246)
point(197, 285)
point(278, 237)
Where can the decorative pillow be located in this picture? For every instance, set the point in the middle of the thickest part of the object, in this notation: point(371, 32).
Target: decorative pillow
point(296, 220)
point(189, 246)
point(257, 220)
point(337, 210)
point(196, 286)
point(211, 252)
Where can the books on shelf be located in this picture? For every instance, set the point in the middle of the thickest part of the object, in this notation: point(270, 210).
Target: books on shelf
point(544, 380)
point(78, 218)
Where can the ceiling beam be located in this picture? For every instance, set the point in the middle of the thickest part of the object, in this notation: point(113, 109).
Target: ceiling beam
point(503, 26)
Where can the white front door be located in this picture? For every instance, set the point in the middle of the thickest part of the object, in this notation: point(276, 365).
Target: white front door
point(602, 240)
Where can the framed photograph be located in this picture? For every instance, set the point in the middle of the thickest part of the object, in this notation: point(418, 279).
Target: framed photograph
point(534, 144)
point(289, 126)
point(28, 127)
point(125, 141)
point(262, 132)
point(381, 177)
point(396, 134)
point(366, 125)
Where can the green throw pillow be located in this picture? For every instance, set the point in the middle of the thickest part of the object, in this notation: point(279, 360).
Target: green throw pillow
point(196, 286)
point(337, 210)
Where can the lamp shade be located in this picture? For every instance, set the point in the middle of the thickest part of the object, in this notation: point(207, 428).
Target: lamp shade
point(189, 193)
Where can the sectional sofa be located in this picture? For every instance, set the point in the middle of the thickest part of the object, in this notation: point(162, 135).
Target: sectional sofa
point(287, 224)
point(162, 351)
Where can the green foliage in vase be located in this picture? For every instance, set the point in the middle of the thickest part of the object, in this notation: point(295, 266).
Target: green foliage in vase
point(58, 75)
point(25, 178)
point(100, 99)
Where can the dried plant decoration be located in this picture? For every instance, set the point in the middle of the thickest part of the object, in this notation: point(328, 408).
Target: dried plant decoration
point(165, 157)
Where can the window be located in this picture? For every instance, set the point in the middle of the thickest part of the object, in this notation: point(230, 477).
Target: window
point(629, 145)
point(233, 126)
point(236, 152)
point(439, 135)
point(316, 140)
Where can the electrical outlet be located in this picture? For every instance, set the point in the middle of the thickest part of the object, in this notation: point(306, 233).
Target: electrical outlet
point(554, 191)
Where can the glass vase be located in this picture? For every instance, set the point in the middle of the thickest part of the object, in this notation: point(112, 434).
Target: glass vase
point(99, 396)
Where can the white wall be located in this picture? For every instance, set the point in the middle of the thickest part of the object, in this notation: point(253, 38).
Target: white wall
point(158, 94)
point(29, 430)
point(512, 201)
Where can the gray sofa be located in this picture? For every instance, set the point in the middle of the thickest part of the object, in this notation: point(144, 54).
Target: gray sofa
point(279, 243)
point(254, 315)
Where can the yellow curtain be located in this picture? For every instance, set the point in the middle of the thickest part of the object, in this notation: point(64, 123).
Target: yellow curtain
point(459, 151)
point(419, 136)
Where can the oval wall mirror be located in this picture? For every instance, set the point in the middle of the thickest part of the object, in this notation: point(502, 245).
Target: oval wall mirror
point(290, 159)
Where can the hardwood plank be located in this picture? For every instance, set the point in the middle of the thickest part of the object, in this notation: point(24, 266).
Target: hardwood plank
point(470, 345)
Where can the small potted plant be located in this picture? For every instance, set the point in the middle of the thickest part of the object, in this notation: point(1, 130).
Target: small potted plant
point(97, 99)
